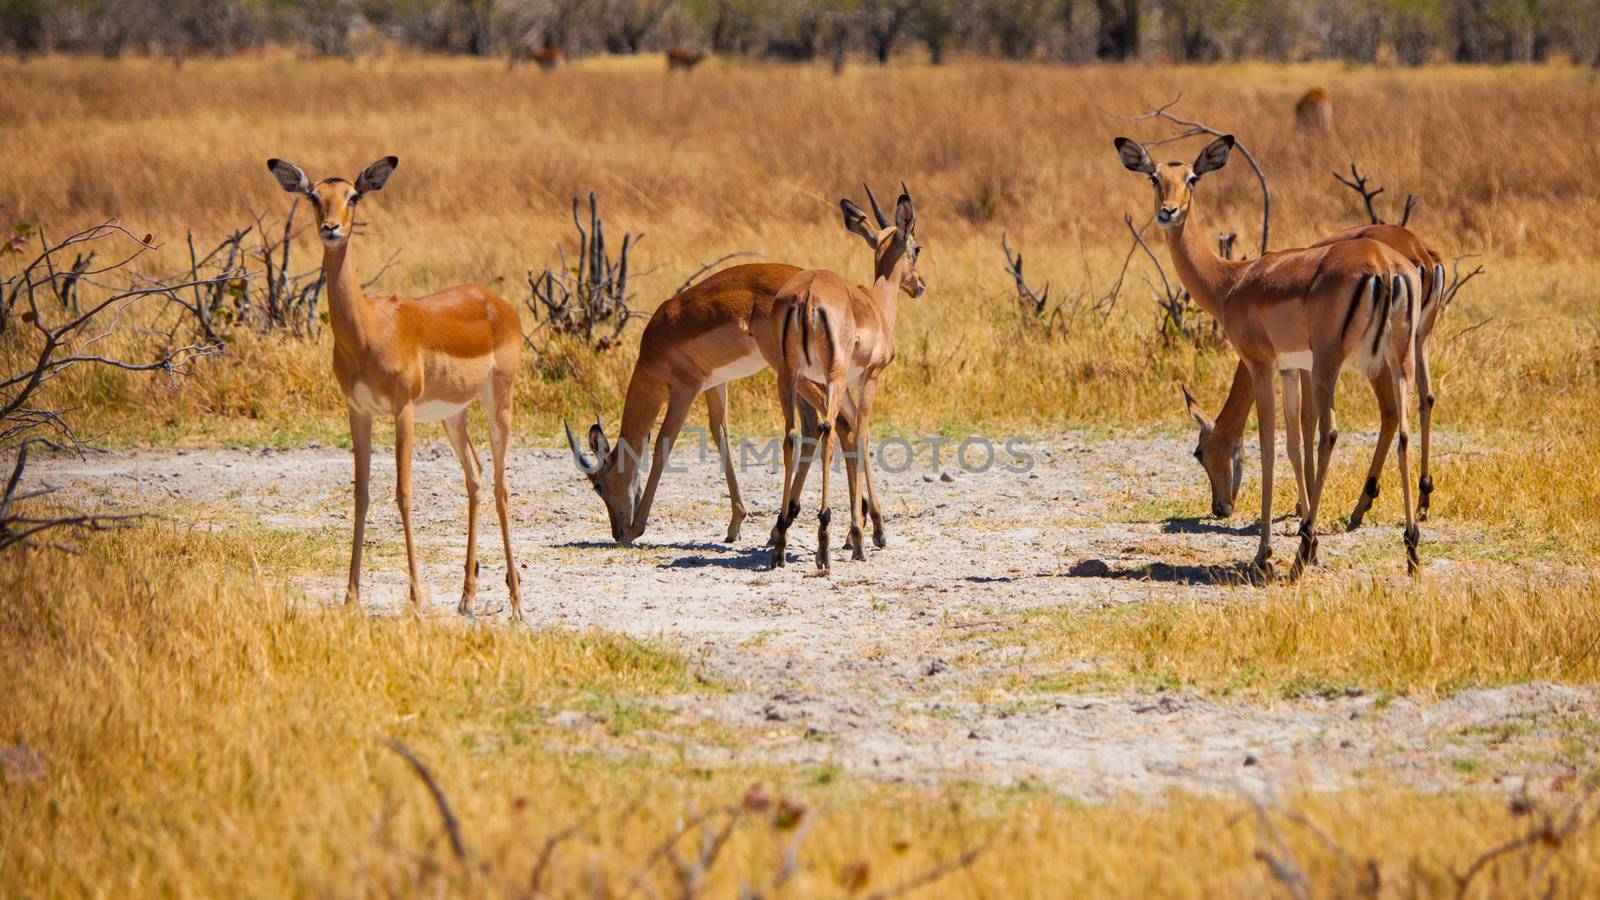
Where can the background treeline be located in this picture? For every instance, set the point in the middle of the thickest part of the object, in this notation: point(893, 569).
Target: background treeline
point(1405, 31)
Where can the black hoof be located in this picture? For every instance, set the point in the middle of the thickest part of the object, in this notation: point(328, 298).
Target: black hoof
point(1413, 562)
point(879, 539)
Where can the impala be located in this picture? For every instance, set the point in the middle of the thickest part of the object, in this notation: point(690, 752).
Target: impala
point(1218, 448)
point(422, 359)
point(841, 337)
point(719, 330)
point(1349, 304)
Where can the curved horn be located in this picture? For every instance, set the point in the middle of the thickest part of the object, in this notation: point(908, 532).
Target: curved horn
point(905, 191)
point(883, 220)
point(584, 465)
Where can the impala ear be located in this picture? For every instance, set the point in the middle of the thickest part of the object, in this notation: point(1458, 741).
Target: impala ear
point(856, 222)
point(598, 442)
point(1200, 418)
point(289, 176)
point(1214, 156)
point(1134, 157)
point(375, 175)
point(584, 463)
point(905, 216)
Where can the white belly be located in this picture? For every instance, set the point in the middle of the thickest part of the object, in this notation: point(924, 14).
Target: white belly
point(1298, 360)
point(437, 410)
point(743, 367)
point(362, 398)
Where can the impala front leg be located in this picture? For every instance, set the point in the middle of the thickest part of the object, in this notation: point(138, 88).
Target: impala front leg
point(361, 448)
point(404, 427)
point(1262, 565)
point(455, 429)
point(717, 414)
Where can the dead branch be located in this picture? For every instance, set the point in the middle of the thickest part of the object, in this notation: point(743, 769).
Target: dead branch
point(23, 530)
point(589, 300)
point(1358, 182)
point(452, 827)
point(709, 266)
point(1193, 128)
point(542, 865)
point(1458, 280)
point(966, 859)
point(1034, 302)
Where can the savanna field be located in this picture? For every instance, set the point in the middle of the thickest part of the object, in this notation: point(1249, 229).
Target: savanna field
point(971, 711)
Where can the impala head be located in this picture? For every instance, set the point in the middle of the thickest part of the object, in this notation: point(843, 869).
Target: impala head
point(334, 199)
point(614, 475)
point(1174, 181)
point(1218, 454)
point(894, 244)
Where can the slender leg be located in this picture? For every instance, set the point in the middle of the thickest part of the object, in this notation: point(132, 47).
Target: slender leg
point(1412, 535)
point(850, 445)
point(805, 450)
point(1388, 418)
point(830, 414)
point(455, 428)
point(1291, 433)
point(1324, 378)
point(499, 409)
point(361, 447)
point(1308, 437)
point(404, 428)
point(677, 411)
point(1269, 428)
point(717, 413)
point(787, 379)
point(1425, 407)
point(869, 393)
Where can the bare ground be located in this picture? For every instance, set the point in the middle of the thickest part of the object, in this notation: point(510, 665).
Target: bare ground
point(875, 670)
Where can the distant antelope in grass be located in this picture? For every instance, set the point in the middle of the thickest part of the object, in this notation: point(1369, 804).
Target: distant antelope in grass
point(1314, 110)
point(841, 337)
point(422, 359)
point(679, 58)
point(1354, 303)
point(1218, 449)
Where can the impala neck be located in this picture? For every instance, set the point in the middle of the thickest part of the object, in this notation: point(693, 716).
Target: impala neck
point(639, 410)
point(1207, 276)
point(348, 310)
point(886, 287)
point(1236, 410)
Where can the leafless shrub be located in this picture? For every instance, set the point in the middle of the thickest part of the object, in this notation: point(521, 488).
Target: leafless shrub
point(1037, 313)
point(1181, 319)
point(62, 335)
point(1459, 279)
point(588, 301)
point(691, 850)
point(1358, 182)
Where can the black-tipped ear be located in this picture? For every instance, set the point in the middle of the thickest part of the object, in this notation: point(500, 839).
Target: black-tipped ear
point(1214, 156)
point(375, 175)
point(1134, 157)
point(905, 215)
point(289, 176)
point(598, 442)
point(856, 222)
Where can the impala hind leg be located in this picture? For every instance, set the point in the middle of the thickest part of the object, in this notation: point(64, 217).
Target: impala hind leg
point(1412, 534)
point(455, 429)
point(717, 413)
point(1324, 377)
point(498, 406)
point(361, 447)
point(830, 415)
point(404, 436)
point(788, 499)
point(1292, 434)
point(1425, 410)
point(1388, 419)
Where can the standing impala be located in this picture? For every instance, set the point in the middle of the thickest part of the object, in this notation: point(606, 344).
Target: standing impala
point(719, 330)
point(1218, 448)
point(422, 359)
point(1349, 304)
point(841, 337)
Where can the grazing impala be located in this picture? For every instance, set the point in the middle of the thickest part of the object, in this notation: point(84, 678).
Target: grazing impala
point(717, 331)
point(1349, 304)
point(1218, 448)
point(841, 337)
point(422, 359)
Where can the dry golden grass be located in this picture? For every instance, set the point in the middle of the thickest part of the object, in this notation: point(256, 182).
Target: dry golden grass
point(188, 732)
point(200, 734)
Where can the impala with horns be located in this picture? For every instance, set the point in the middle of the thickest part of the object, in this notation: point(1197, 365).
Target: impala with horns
point(840, 337)
point(1354, 303)
point(1218, 449)
point(422, 359)
point(719, 330)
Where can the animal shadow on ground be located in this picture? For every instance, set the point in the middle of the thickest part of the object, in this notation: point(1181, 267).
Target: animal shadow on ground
point(1196, 525)
point(1239, 573)
point(718, 555)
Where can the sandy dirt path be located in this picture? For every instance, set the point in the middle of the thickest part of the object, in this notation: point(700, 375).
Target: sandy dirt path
point(876, 669)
